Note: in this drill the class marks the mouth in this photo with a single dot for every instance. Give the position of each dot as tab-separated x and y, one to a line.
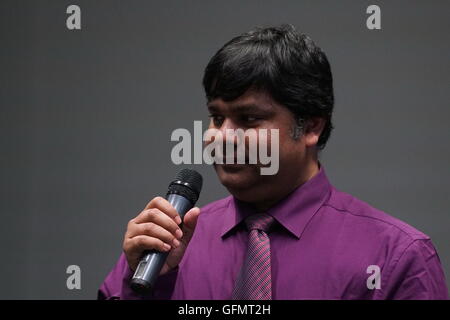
230	168
234	160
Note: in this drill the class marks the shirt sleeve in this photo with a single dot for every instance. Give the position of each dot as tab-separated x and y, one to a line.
417	274
117	284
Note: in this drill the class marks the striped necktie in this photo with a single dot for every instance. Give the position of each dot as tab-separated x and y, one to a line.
254	281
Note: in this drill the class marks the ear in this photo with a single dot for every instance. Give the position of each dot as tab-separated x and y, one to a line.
313	128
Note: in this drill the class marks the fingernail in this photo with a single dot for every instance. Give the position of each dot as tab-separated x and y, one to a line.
176	243
177	219
179	234
166	247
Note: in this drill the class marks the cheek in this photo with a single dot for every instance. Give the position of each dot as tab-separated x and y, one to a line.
285	141
290	148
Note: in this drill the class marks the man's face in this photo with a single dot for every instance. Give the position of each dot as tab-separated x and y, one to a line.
257	110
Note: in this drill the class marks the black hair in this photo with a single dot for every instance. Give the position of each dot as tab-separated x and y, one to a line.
280	61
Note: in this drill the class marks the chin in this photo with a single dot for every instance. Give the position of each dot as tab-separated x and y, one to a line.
237	178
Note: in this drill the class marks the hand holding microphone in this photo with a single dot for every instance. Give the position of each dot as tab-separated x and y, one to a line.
155	241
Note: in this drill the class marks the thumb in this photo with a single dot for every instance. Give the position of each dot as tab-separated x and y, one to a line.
190	221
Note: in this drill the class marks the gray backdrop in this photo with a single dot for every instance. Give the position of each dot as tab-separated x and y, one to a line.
86	118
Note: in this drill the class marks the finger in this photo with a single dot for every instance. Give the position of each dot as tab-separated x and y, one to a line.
141	218
153	230
190	219
150	229
165	206
142	243
160	218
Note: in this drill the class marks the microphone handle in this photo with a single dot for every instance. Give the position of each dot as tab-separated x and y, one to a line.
152	261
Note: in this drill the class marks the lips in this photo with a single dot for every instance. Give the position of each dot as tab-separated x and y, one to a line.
234	160
232	167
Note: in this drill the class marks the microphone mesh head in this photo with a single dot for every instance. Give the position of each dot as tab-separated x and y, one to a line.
192	177
188	183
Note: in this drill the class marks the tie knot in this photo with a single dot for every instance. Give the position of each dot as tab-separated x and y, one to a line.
259	221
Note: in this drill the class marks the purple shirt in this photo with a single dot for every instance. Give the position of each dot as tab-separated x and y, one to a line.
325	245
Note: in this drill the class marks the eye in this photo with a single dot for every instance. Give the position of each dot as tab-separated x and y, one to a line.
216	119
250	118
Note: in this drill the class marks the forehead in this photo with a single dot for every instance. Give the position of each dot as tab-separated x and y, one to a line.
251	100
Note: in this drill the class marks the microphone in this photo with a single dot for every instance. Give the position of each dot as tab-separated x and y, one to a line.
182	194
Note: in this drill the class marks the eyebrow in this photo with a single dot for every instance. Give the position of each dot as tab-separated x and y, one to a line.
240	108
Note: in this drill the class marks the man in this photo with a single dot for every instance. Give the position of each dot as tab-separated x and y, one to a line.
291	235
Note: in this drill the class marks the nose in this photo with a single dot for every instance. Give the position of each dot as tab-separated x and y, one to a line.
227	130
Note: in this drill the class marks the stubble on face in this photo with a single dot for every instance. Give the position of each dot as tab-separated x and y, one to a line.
245	181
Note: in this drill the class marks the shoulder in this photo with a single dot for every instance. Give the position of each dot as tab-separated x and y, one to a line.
410	265
365	216
375	234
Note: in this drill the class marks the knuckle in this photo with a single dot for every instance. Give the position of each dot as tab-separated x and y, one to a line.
130	228
140	242
157	201
147	216
128	246
149	228
151	213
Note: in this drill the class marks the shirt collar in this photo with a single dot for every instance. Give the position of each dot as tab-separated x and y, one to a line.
293	212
